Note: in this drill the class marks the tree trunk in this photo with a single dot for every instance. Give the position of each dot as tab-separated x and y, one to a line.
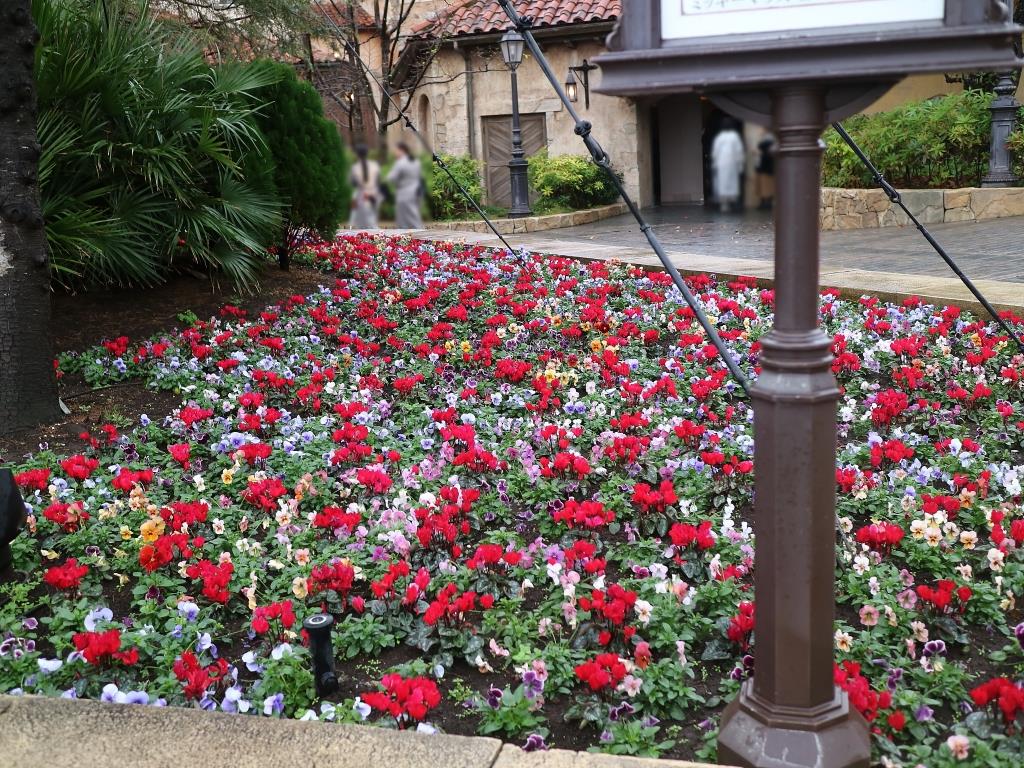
284	251
28	390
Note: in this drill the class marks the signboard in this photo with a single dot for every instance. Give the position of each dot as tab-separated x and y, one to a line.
709	18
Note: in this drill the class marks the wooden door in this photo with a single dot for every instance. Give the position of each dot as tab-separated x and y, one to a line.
498	151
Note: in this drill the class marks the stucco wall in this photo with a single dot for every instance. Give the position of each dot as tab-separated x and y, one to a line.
619	125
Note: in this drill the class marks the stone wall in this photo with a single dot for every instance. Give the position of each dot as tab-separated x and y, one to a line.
871	208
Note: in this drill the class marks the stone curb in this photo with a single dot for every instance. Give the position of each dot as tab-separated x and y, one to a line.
851	283
40	732
529	224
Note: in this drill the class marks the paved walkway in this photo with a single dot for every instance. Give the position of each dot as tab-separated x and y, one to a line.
988	250
38	732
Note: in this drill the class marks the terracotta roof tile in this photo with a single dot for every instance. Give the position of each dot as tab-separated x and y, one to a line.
477	17
337	13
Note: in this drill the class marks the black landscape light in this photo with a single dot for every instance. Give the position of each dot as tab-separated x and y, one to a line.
321	648
12	515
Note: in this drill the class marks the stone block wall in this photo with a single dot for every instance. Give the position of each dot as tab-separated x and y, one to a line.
871	208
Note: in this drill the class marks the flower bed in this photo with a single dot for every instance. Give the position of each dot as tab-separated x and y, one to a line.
522	485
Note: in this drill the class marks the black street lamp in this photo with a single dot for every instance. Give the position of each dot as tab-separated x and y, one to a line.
512	53
1004	118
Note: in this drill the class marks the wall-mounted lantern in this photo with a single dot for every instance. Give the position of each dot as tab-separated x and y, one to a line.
579	75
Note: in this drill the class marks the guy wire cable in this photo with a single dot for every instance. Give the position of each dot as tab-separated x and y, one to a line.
601	158
895	197
409	124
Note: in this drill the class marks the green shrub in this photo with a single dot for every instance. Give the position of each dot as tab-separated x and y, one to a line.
444	197
938	143
151	159
571	182
310	167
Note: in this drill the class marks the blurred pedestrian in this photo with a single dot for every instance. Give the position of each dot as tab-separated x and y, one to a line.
408	180
727	163
365	180
765	172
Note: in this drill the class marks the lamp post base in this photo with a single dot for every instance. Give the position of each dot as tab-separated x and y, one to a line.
518	169
1001	180
758	734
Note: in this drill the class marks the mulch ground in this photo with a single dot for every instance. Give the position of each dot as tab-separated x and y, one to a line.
80	321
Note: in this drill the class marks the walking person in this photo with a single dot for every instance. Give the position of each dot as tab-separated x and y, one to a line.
765	170
727	163
365	180
408	180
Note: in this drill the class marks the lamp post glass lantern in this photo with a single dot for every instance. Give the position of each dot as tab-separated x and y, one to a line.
512	52
754	59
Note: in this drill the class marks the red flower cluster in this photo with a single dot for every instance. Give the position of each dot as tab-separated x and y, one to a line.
128	478
33	479
684	534
1006	695
492	554
689	432
265	493
941	595
564	464
185	514
582	552
181	452
889	405
264	614
741	626
614	605
333	518
932	504
868	702
337	576
404	698
880	536
605	670
68	576
191	415
449	604
892	450
374	480
651	500
511	370
161	551
68	516
216	578
79	467
587	514
351	443
195	676
253	452
385	587
99	647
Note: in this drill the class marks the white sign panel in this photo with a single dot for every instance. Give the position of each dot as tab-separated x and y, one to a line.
709	18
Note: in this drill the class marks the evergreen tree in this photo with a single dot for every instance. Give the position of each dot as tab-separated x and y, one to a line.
310	165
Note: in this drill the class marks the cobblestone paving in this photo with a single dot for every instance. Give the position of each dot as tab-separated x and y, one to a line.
988	250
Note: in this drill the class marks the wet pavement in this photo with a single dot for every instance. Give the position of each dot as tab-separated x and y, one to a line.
988	250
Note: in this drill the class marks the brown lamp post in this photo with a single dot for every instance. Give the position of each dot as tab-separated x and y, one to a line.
796	67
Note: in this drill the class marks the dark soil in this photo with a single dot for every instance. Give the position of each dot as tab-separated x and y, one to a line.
80	321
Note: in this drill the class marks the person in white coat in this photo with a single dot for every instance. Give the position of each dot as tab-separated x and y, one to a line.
408	180
728	160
